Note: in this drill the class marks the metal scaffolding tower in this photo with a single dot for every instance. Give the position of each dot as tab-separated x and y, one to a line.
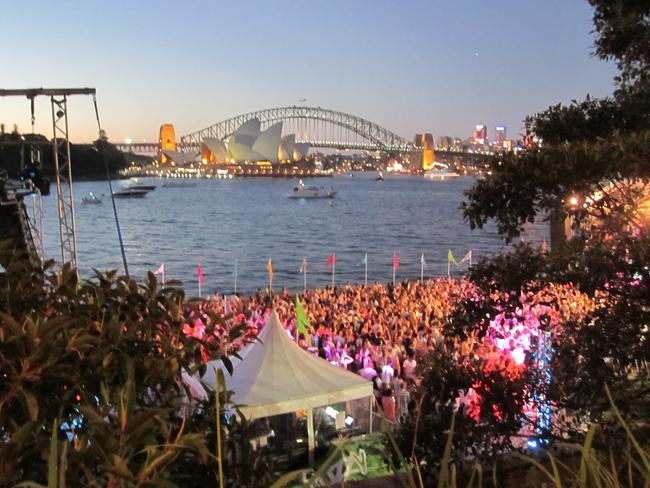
62	161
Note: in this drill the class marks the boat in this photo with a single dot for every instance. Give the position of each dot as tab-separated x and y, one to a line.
179	184
380	177
302	191
440	171
130	193
91	198
134	184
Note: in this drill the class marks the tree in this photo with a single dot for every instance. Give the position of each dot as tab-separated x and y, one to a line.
93	368
585	145
593	165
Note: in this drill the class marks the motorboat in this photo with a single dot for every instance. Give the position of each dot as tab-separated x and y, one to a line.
440	171
130	193
302	191
91	198
134	184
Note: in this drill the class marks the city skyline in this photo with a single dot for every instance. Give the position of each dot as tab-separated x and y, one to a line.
417	67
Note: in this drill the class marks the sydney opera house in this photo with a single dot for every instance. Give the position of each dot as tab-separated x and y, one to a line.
248	144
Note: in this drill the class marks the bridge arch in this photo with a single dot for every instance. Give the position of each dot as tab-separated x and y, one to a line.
316	126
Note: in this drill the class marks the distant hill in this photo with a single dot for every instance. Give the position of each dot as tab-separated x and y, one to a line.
87	161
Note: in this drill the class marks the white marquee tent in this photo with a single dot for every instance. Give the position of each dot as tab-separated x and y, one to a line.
275	376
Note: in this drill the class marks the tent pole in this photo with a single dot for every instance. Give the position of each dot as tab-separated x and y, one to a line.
311	444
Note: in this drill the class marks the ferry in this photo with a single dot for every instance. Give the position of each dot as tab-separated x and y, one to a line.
440	171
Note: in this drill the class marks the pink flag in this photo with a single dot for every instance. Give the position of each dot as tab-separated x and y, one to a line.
395	262
331	260
199	271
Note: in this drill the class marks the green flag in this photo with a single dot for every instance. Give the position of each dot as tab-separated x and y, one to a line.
451	258
302	322
365	259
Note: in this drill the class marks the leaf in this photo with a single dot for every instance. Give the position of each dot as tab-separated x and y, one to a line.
107	360
52	461
227	363
32	404
120	467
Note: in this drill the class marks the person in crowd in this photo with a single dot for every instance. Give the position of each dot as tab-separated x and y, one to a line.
388	404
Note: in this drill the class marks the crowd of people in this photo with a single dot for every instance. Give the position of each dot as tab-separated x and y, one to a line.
379	331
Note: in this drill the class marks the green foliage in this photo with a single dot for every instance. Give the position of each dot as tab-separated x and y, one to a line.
91	370
623	34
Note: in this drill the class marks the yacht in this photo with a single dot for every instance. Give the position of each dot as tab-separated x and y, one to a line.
130	193
302	191
134	184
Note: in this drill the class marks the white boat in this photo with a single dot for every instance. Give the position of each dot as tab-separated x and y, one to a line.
134	184
91	198
440	171
302	191
130	193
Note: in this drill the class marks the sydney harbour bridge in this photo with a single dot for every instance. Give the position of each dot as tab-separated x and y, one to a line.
316	126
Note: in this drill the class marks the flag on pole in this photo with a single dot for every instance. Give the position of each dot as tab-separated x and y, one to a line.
302	322
544	248
269	270
199	272
451	258
423	262
467	257
331	262
303	265
395	262
365	259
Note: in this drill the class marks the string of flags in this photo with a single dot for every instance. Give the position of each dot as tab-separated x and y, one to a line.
330	265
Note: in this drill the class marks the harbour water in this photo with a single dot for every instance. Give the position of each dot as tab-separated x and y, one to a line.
248	221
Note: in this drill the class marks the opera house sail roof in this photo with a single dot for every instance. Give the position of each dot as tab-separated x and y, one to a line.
249	143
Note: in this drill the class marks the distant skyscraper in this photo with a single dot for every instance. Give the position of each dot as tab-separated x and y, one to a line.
499	135
480	134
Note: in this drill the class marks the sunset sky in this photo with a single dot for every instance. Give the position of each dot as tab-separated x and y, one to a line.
411	66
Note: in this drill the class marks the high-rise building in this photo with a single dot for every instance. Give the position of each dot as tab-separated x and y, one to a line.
499	136
480	134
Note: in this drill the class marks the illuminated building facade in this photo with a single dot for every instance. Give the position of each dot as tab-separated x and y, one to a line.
480	134
499	136
166	141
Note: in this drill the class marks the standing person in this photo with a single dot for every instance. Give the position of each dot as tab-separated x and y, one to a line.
408	367
403	399
388	404
387	372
